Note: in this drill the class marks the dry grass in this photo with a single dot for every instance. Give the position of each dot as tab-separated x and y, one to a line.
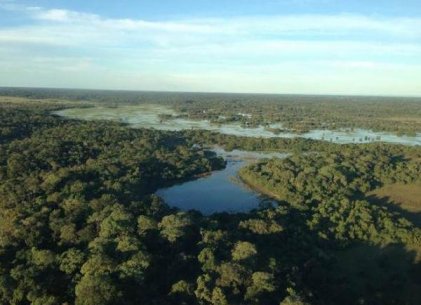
415	119
406	196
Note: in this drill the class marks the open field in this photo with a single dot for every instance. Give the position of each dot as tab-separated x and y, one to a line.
406	196
402	196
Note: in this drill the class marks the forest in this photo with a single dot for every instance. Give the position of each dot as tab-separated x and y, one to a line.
298	113
80	223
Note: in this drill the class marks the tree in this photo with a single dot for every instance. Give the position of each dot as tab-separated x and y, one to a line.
97	290
218	297
243	250
175	226
261	282
293	298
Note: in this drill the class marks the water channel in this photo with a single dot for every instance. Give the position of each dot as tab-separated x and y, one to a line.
147	116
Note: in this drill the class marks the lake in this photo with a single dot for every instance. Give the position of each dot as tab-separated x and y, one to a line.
147	116
222	190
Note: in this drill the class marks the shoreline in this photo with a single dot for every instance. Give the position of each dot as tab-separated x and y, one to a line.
258	188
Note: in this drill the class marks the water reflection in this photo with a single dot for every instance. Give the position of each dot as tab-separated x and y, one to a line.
148	116
221	191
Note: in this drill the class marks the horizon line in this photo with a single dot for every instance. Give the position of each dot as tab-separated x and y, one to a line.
210	92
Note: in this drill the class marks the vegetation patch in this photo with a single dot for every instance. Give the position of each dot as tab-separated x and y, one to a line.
79	223
406	197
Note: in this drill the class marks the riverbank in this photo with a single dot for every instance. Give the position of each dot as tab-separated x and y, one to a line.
257	187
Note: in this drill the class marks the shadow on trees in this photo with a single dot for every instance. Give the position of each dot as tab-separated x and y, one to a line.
386	201
367	274
331	271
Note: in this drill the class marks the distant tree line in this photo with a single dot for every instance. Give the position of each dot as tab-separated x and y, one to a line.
299	113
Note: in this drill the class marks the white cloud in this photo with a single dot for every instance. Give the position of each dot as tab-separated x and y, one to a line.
56	15
66	26
283	24
261	53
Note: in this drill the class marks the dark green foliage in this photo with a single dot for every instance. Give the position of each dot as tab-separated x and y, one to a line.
330	186
79	223
77	217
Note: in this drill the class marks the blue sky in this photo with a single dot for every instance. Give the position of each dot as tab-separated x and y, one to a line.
274	46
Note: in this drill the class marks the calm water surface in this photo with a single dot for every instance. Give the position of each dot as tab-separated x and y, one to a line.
221	191
215	193
147	116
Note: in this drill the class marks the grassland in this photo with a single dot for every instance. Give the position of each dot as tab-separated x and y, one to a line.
404	197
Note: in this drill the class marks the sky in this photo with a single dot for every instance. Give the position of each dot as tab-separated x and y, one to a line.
358	47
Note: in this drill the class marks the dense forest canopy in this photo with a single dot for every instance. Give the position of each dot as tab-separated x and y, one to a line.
80	224
299	113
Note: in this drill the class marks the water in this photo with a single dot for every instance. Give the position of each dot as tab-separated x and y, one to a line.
215	193
236	154
221	191
147	116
